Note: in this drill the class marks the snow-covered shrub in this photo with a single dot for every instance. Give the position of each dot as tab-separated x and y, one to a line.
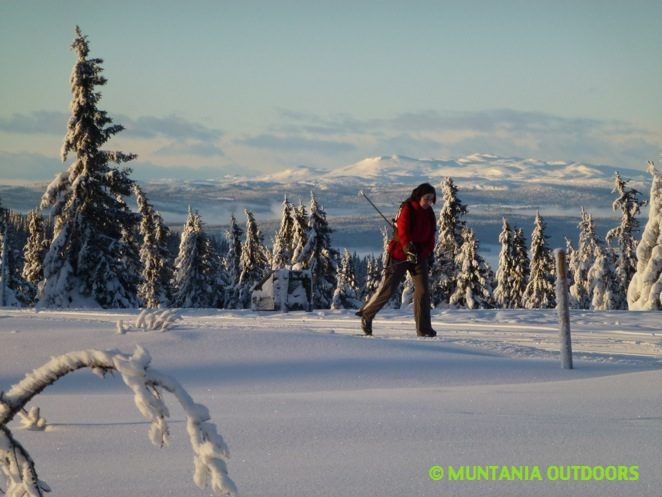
210	452
157	319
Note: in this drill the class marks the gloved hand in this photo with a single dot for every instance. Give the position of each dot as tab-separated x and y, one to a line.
411	253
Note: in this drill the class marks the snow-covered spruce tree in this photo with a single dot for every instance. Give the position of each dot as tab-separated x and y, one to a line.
154	288
444	272
35	249
504	293
570	254
474	286
299	235
283	239
583	259
602	282
346	294
645	290
231	264
320	257
92	259
521	268
373	277
7	296
622	238
17	235
360	270
210	453
253	262
195	277
540	290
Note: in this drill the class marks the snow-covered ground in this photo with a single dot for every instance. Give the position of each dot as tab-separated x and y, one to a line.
309	407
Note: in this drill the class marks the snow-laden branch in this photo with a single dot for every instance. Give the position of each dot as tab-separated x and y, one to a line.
209	449
18	468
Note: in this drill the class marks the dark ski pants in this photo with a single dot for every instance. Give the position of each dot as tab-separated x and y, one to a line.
393	274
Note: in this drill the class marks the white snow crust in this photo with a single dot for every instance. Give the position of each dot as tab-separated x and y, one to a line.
308	406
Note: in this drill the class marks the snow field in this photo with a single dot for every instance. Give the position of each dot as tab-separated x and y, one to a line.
310	407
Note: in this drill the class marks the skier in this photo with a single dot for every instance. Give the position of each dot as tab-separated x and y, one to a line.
409	250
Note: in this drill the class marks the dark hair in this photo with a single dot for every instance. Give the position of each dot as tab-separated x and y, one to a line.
424	189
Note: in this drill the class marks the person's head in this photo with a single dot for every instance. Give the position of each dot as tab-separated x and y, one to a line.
425	195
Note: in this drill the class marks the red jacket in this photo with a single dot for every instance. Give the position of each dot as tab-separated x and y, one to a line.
418	228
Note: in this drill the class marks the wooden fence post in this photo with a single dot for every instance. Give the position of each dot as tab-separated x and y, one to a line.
562	307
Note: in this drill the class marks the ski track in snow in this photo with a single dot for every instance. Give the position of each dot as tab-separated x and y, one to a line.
624	337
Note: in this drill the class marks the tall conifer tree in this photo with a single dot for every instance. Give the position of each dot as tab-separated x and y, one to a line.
92	259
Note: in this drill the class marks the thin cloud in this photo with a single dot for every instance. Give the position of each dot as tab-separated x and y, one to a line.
197	148
17	167
297	143
38	122
172	127
30	167
502	131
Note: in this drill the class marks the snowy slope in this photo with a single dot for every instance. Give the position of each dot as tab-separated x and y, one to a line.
308	407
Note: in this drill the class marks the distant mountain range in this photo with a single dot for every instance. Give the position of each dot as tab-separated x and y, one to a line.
487	170
490	185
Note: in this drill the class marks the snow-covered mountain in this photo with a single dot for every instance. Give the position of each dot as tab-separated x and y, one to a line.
482	169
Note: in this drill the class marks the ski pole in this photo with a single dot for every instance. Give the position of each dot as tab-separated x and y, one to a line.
390	223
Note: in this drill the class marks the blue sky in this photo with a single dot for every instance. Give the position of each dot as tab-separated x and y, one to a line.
208	88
